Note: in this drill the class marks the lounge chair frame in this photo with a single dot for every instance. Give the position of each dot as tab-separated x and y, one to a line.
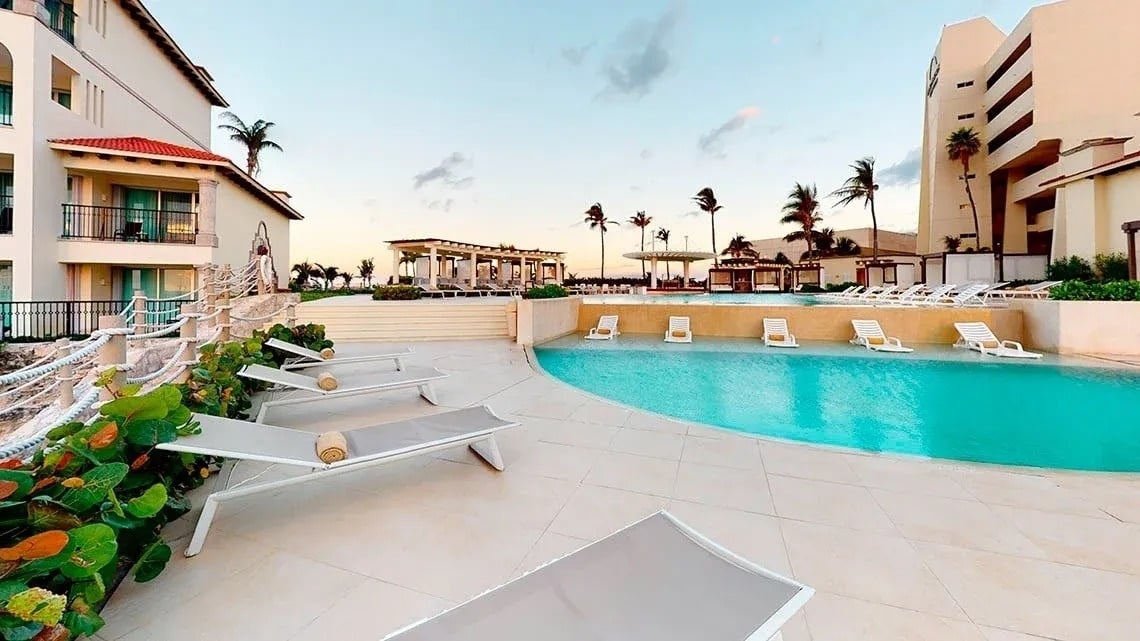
610	322
679	324
865	329
304	358
778	326
973	336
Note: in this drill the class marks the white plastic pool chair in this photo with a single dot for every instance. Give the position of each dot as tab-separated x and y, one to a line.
346	385
366	447
978	337
657	579
304	357
776	333
606	329
869	334
678	331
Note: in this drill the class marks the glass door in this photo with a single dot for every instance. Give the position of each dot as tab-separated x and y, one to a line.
144	279
141	218
5	202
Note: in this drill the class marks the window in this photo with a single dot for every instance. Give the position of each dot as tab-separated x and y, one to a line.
966	116
968	235
61	97
968	83
5	203
5	103
963	206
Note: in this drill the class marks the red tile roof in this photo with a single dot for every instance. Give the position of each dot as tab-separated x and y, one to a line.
137	145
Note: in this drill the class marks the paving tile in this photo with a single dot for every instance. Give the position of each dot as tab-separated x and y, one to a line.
727	451
370	611
905	475
864	565
964	523
756	537
1106	544
593	512
633	473
574	433
1038	597
828	503
645	443
723	486
600	414
551	546
655	423
554	460
838	618
807	462
996	487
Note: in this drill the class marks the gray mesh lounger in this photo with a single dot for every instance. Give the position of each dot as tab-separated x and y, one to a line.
354	384
303	357
656	580
237	440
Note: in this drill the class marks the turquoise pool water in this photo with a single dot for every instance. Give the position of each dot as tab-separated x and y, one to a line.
945	405
705	299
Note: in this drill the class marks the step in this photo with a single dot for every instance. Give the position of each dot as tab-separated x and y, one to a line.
408	321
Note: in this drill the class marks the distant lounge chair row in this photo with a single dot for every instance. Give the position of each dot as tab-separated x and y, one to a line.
950	295
868	333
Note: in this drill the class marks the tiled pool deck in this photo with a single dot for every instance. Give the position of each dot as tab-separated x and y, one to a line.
897	548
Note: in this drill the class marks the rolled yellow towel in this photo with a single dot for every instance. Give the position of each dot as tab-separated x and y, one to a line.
777	338
327	353
991	344
331	447
679	333
876	340
605	331
326	381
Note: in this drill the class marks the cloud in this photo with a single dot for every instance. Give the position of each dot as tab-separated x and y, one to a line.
692	214
820	139
641	56
445	173
634	188
575	55
646	153
712	143
904	172
440	205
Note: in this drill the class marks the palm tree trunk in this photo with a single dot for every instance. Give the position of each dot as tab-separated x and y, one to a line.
712	220
874	233
603	272
643	249
973	207
251	162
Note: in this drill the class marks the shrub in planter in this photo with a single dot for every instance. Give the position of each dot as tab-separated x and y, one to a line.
86	512
810	289
396	292
215	388
1111	266
833	287
1071	268
547	291
310	335
1117	290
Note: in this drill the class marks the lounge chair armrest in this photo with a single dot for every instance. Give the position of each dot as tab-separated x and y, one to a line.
896	341
1013	345
791	338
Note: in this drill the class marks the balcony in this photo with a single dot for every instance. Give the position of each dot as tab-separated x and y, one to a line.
61	19
1010	116
1030	186
128	224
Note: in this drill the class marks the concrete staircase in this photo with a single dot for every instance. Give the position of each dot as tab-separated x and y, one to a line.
360	319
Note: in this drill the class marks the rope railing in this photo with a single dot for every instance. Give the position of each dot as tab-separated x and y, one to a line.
174	360
23	448
74	357
163	331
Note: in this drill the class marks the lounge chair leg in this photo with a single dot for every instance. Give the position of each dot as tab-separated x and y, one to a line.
428	392
488	450
227	469
399	364
203	527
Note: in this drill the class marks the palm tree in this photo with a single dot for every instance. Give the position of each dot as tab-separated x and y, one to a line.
347	278
304	271
739	247
802	209
782	259
845	246
961	145
366	269
329	273
663	236
597	220
706	200
409	259
952	243
824	241
861	186
255	139
641	220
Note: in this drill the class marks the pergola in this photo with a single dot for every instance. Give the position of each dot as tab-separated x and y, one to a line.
655	256
1130	228
436	249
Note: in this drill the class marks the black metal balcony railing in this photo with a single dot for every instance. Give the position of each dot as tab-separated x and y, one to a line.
47	320
94	222
61	19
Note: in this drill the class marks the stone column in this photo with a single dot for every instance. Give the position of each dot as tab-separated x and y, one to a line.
686	264
1131	241
653	272
559	271
433	269
474	270
112	354
500	276
207	213
396	255
522	270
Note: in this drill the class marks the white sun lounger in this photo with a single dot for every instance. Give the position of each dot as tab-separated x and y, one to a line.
1036	290
347	385
870	334
778	327
607	328
237	440
678	325
305	358
904	296
657	579
978	337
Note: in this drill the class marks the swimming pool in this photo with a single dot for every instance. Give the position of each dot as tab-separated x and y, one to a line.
944	404
704	299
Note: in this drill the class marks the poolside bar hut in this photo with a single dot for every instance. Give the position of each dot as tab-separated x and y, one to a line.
809	273
746	275
439	252
655	256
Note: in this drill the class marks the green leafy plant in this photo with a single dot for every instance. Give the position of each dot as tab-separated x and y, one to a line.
87	510
1111	266
547	291
1071	268
214	387
838	287
396	292
1116	290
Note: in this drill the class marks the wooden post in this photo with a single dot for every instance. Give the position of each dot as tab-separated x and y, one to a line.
1131	239
66	382
291	315
224	315
138	303
113	354
262	283
210	288
189	334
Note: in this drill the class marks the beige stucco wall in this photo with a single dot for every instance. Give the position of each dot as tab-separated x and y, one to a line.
239	213
828	323
1082	327
541	320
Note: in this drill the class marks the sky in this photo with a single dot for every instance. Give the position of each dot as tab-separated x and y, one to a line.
502	121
